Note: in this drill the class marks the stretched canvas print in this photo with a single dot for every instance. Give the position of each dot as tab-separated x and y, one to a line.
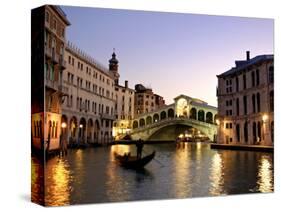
134	105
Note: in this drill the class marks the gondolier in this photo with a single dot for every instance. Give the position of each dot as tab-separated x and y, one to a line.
139	145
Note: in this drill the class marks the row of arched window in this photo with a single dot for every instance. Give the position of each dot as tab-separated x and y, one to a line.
256	103
53	129
155	118
255	79
80	105
200	116
256	131
37	132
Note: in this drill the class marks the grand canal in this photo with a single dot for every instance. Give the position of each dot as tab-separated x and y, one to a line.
191	170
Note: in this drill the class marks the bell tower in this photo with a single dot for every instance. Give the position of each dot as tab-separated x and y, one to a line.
113	67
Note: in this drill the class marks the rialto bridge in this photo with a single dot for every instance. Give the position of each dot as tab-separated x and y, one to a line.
184	115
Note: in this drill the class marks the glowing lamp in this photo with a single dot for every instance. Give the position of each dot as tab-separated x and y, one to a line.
264	118
63	125
81	125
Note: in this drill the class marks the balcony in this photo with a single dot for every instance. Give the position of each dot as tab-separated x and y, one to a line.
63	90
52	84
48	52
62	62
107	116
51	54
55	57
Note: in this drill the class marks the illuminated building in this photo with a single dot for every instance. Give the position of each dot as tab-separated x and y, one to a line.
88	108
48	46
246	102
146	101
124	102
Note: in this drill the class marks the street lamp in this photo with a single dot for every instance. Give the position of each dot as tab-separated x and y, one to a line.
63	125
81	125
264	118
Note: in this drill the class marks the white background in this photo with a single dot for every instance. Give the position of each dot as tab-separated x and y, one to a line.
15	104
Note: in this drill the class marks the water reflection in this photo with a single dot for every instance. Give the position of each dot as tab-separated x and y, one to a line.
182	178
265	174
58	186
189	170
37	181
216	175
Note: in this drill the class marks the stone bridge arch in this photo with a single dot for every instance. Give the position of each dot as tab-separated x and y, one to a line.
210	130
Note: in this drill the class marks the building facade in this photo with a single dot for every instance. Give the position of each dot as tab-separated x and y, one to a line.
246	102
48	38
124	102
88	108
124	107
146	101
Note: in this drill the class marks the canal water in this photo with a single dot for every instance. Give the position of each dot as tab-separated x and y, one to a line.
191	170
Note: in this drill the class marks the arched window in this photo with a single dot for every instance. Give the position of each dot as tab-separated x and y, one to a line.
40	129
246	132
245	104
244	81
271	74
254	103
56	130
50	130
257	77
171	113
237	84
254	132
209	117
155	118
258	103
238	132
271	100
53	129
142	123
193	113
259	131
237	106
135	124
201	115
163	115
253	79
148	120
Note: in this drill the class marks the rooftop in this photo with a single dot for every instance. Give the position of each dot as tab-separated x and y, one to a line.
84	56
61	13
243	64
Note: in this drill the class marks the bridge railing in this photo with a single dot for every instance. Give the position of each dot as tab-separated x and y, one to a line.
163	121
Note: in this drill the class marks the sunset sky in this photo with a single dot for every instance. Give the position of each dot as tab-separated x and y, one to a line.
171	52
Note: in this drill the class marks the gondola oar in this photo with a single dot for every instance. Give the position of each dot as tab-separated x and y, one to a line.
162	165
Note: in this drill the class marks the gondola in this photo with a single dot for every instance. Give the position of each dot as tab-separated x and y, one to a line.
131	162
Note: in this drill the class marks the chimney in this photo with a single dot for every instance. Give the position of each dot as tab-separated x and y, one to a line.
126	83
248	55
